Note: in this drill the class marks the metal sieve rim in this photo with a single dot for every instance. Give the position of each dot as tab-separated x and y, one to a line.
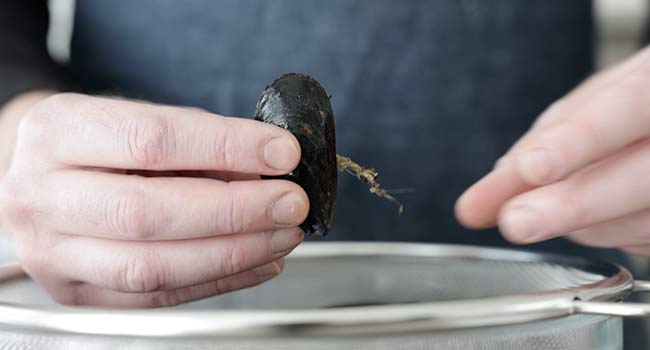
616	285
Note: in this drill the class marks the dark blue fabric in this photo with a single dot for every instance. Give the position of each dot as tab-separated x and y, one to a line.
428	92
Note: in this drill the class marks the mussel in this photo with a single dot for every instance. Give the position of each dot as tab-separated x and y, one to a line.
300	104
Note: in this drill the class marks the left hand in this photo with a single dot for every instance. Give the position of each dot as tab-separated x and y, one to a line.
582	170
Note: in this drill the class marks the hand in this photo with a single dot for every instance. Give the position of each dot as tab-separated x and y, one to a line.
582	171
121	203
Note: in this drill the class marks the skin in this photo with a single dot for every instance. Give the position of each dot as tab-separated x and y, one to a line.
131	204
582	171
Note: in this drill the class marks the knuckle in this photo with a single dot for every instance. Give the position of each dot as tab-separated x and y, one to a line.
143	273
55	102
129	215
228	148
231	217
147	140
232	260
43	112
15	202
36	126
35	121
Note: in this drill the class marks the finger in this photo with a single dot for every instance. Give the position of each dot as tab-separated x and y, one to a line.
479	205
145	267
86	294
630	230
109	133
472	211
584	93
611	189
615	117
138	208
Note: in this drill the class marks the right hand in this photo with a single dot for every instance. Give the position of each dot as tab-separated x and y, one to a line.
122	203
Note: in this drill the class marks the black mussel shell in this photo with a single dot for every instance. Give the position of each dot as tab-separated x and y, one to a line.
300	104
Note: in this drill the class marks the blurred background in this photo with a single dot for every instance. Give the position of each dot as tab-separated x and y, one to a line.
621	27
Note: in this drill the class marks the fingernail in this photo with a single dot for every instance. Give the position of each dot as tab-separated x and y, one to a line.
288	209
522	225
281	153
267	271
285	240
538	166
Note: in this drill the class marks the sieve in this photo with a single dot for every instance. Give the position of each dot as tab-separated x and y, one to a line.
360	292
